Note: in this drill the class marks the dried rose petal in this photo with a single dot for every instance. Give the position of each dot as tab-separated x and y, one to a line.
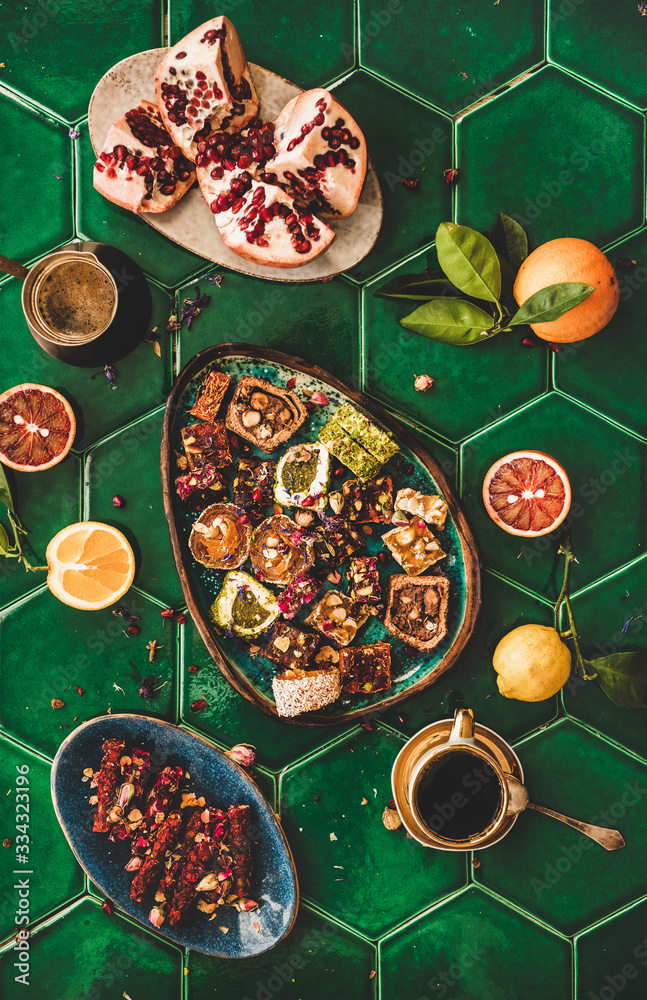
156	917
79	689
107	907
320	398
193	668
180	618
198	705
527	342
423	382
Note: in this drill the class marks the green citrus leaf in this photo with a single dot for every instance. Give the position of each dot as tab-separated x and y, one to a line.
510	240
5	492
5	545
623	677
550	303
469	261
450	320
415	287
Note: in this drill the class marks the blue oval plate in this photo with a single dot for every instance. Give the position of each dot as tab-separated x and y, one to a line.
222	782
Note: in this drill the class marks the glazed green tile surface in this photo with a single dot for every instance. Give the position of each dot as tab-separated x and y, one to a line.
308	44
40	189
473	681
56	50
472	385
611	618
613	957
475	48
573	168
70	649
557	873
89	952
551	917
606	371
463	950
607	516
336	838
603	43
24	779
314	321
318	956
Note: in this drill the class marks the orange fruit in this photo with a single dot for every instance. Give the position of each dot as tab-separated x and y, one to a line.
570	259
91	565
37	427
527	493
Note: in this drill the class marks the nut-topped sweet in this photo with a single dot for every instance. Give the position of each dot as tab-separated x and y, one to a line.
337	617
417	610
432	509
206	444
279	550
221	537
414	546
264	414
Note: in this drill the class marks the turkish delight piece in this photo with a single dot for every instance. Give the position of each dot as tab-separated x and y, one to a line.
365	431
221	537
264	414
432	509
417	610
335	540
253	484
365	669
302	476
290	647
338	617
297	691
414	546
364	580
301	591
280	551
206	443
349	452
371	500
244	606
210	396
200	489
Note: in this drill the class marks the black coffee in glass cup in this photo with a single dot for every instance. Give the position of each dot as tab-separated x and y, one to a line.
86	304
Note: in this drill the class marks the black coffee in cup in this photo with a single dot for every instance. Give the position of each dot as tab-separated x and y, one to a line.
75	299
458	795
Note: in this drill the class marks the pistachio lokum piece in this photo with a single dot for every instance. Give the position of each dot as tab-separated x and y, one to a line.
362	429
349	452
302	476
244	606
414	546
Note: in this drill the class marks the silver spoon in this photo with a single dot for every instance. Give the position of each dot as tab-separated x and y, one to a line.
611	840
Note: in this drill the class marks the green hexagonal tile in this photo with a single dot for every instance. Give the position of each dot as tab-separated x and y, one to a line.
562	158
603	43
475	48
70	649
99	219
555	872
25	778
318	960
337	841
41	189
472	681
46	502
404	140
611	959
86	953
61	48
475	948
605	371
229	718
601	613
473	385
143	377
309	45
607	511
315	321
127	464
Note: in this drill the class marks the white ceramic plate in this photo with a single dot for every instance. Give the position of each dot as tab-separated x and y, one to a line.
190	223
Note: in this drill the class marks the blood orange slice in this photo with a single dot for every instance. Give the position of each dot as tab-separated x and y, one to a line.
91	565
527	493
37	427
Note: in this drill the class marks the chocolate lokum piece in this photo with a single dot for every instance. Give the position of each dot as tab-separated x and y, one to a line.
335	540
290	647
221	537
301	591
280	550
417	610
371	500
338	617
254	483
264	414
210	396
364	580
297	691
414	546
365	669
206	444
200	489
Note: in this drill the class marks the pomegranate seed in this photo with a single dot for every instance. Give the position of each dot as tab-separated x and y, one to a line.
382	556
527	342
134	630
367	726
180	618
291	382
243	519
80	690
198	705
193	668
354	143
118	501
307	501
257	494
100	167
168	613
107	907
554	348
200	75
411	182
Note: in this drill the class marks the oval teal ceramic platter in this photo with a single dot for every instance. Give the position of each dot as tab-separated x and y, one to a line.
250	673
222	782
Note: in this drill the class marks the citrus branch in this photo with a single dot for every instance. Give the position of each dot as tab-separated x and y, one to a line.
564	598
